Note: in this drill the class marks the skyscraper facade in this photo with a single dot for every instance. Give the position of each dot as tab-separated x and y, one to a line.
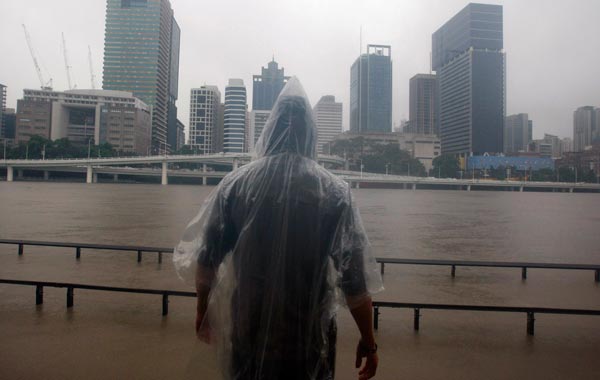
204	118
328	114
258	119
267	86
423	104
518	130
371	91
585	127
141	55
234	119
469	60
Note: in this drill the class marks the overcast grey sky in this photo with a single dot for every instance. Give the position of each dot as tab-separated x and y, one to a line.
552	47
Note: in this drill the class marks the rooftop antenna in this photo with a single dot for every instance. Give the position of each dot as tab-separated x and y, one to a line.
44	85
430	63
67	67
92	76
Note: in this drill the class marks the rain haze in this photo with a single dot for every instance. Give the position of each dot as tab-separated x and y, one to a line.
552	66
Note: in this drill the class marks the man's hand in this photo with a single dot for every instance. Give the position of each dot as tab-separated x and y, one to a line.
203	330
370	367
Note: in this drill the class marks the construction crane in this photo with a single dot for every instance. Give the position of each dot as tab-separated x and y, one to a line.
92	76
45	85
67	67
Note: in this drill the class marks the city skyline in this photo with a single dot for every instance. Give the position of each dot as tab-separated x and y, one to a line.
549	101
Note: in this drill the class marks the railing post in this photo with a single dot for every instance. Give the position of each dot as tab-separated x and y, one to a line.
530	323
376	317
70	296
20	249
417	319
382	268
453	270
78	253
597	277
165	304
524	273
39	294
160	257
139	258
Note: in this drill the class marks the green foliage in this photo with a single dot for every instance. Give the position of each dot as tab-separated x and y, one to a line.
544	175
39	147
445	166
376	157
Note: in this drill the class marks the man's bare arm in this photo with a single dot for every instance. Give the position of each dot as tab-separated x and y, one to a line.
204	279
362	312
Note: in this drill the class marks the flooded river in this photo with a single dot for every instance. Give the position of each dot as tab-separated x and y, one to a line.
113	335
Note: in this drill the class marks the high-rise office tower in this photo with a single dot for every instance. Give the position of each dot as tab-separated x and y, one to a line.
234	119
423	104
205	103
141	55
328	114
258	120
518	131
267	86
585	127
371	90
469	60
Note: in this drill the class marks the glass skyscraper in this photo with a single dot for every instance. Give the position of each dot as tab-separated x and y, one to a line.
141	55
371	90
468	56
234	119
423	104
267	86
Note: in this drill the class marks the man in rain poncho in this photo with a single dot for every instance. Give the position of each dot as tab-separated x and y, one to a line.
272	245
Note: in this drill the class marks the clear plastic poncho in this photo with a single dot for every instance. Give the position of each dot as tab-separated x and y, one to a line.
286	243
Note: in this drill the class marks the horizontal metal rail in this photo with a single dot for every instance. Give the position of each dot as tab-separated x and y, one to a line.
417	307
79	246
39	293
529	311
453	264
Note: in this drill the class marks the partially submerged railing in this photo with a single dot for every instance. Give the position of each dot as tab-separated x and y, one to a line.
453	264
39	291
80	246
529	311
417	307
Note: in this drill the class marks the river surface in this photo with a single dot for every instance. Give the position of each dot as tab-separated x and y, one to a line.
113	335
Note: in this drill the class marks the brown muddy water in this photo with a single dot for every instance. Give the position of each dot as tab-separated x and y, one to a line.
124	336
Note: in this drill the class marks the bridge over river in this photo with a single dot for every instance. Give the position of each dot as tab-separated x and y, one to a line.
142	166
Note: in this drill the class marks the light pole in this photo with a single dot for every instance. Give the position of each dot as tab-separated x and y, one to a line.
89	147
361	168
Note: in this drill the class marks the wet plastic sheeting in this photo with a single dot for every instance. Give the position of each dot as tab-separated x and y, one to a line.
286	242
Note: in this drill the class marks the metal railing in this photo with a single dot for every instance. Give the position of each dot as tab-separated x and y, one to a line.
529	311
377	305
39	291
80	246
453	264
417	307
